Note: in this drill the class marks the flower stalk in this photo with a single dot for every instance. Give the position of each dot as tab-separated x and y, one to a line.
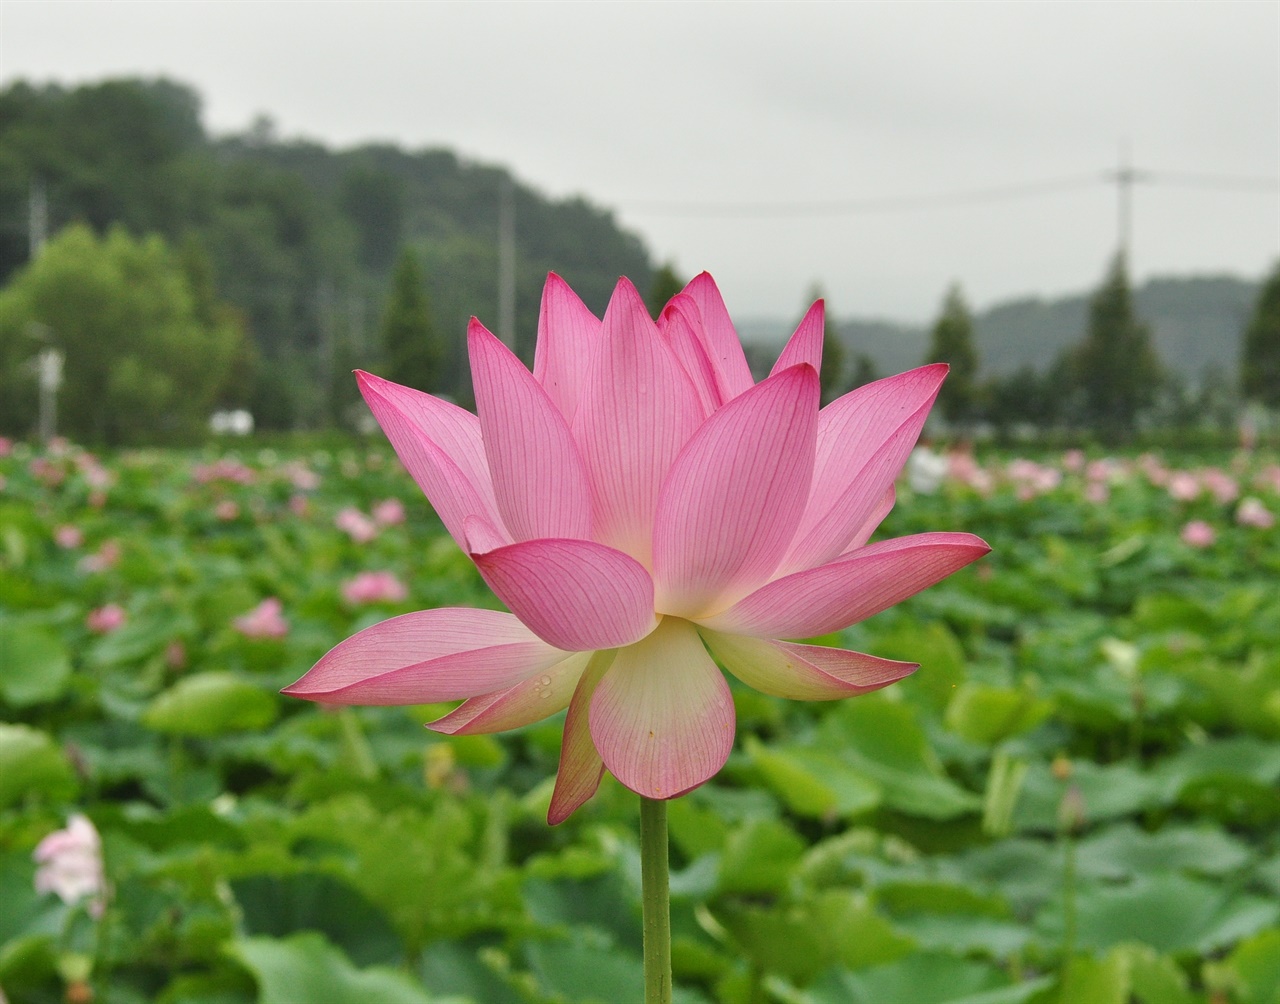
656	900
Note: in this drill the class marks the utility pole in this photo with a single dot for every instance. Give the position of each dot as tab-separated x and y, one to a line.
1124	177
507	262
37	218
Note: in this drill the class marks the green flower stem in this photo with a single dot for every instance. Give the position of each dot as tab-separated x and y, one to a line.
656	897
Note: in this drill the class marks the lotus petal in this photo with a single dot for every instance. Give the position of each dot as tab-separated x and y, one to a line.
850	589
430	655
724	350
805	344
534	698
662	716
539	480
803	672
568	334
580	765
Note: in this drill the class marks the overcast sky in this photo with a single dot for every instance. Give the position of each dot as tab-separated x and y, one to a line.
749	139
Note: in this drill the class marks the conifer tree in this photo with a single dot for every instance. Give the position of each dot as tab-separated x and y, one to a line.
1116	368
952	343
666	284
1260	366
414	352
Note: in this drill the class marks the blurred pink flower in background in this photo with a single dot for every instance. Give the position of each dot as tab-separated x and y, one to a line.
107	556
1097	492
374	587
227	510
303	477
1222	486
356	525
1199	534
266	620
225	469
70	865
389	512
639	503
175	655
68	537
300	505
1073	460
1183	486
1252	512
106	619
6	446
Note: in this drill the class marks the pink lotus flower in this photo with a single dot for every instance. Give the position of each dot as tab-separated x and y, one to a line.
70	865
389	512
68	537
356	525
641	506
374	587
266	620
106	557
1198	534
106	619
1252	512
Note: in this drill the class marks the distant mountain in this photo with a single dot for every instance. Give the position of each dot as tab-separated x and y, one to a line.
1197	323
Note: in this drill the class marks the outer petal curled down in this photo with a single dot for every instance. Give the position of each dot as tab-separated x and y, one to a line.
430	655
532	699
803	672
833	596
574	594
580	765
662	717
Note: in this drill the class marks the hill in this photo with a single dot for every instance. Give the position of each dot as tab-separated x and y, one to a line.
1197	323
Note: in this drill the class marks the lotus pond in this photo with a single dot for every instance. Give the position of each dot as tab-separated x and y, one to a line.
1075	800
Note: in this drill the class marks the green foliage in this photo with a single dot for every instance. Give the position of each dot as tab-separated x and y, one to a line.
903	846
952	343
666	283
1260	364
1115	367
414	352
145	356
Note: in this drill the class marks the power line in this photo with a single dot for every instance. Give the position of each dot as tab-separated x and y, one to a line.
1124	176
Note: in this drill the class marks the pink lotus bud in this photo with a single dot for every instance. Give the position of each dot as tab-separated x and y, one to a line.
266	620
1198	534
106	619
1253	513
374	587
389	513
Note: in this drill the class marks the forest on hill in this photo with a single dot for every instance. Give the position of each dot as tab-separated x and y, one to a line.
298	240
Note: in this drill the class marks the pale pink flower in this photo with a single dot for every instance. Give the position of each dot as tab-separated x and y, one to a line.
1199	534
6	446
1183	486
389	512
1097	492
227	510
1222	486
266	620
356	525
1073	460
300	505
303	477
68	537
70	865
175	655
1252	512
374	587
107	556
226	469
106	619
640	506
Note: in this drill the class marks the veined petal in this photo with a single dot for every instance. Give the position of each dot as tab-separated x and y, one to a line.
724	350
803	672
637	409
539	480
863	441
882	509
680	325
805	344
729	506
662	716
430	655
441	447
574	594
567	337
580	765
843	592
534	698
